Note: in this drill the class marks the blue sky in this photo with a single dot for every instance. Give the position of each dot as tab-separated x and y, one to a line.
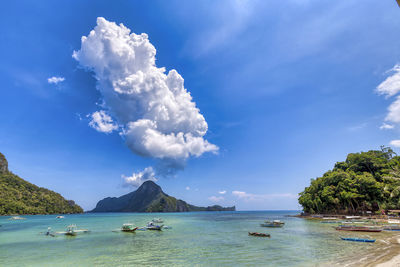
287	89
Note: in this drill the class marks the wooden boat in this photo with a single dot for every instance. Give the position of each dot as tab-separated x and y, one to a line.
354	239
259	234
275	223
358	228
128	227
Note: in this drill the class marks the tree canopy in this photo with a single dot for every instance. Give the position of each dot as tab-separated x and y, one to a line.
365	181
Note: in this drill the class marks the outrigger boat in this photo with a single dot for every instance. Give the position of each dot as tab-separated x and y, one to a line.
72	230
391	228
152	226
358	228
157	220
275	223
354	239
60	217
17	218
259	234
128	227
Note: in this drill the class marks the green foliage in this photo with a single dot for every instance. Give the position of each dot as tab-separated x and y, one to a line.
18	196
365	181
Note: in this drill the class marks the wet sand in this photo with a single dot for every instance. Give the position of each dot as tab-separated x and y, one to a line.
386	253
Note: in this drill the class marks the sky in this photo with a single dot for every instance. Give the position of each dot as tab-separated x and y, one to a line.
220	102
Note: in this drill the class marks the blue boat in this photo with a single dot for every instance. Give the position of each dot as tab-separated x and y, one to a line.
354	239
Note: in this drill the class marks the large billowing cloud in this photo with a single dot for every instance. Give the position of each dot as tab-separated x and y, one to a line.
154	111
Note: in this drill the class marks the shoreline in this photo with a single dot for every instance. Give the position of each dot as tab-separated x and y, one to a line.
385	253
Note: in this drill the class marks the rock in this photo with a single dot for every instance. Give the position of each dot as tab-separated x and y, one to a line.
3	164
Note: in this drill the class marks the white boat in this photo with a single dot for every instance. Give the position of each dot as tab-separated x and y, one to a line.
152	226
73	231
17	218
60	217
157	220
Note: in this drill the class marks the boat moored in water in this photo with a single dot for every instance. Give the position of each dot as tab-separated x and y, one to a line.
72	230
128	227
259	234
274	223
152	226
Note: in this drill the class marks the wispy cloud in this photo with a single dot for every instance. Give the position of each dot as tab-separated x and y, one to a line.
395	143
386	126
222	192
187	188
216	199
55	80
261	197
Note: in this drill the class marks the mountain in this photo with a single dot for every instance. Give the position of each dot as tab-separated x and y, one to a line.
149	197
18	196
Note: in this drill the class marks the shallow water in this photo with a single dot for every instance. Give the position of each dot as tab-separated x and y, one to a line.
196	238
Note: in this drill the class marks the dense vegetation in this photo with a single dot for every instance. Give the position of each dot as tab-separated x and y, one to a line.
366	181
18	196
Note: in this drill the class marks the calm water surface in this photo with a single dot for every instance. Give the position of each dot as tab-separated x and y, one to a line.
195	239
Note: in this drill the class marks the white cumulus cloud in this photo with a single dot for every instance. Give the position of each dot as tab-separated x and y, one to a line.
187	188
102	122
222	192
156	113
395	143
55	80
216	199
139	178
391	85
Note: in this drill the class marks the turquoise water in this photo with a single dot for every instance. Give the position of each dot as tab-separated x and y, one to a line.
195	239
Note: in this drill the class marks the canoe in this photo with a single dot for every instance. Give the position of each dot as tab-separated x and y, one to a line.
259	234
358	229
354	239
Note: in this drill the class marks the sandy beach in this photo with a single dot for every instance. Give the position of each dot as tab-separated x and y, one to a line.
385	254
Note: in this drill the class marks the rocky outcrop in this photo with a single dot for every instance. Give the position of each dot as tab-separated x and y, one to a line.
3	164
149	197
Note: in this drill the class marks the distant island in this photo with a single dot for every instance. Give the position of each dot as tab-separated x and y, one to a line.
366	181
149	197
18	196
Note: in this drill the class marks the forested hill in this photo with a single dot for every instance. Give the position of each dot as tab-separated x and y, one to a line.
18	196
366	181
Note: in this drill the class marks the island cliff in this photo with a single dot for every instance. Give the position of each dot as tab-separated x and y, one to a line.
18	196
149	197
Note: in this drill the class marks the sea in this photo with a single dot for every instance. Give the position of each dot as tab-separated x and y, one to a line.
192	239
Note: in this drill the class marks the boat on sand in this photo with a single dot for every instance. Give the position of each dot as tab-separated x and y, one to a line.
355	239
358	228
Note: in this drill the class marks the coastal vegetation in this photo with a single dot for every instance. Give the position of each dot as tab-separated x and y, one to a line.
18	196
365	181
